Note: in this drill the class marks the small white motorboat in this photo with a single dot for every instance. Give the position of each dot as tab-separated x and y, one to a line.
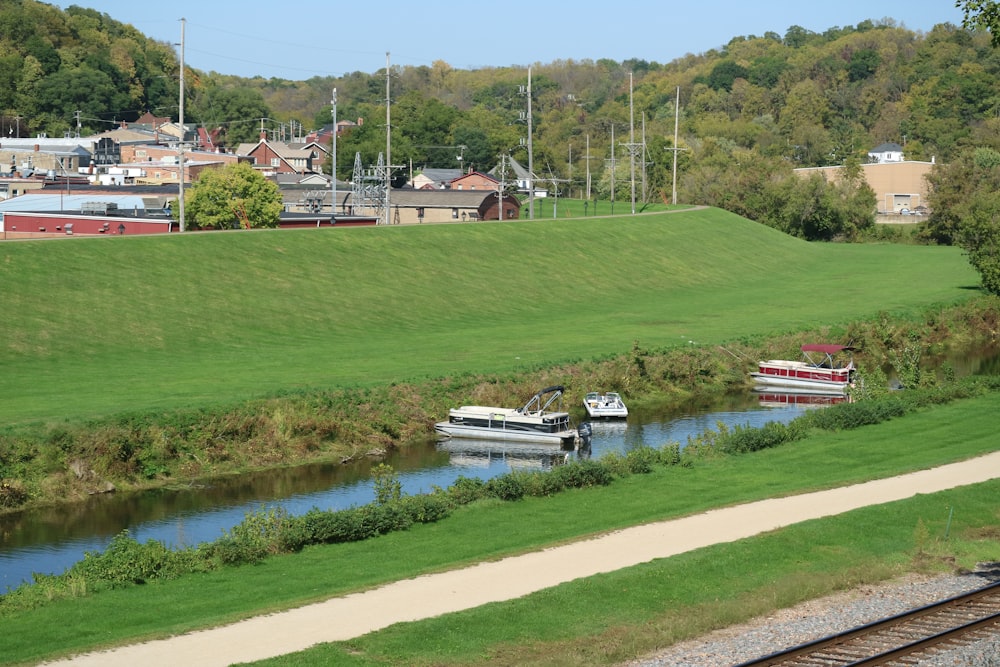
608	404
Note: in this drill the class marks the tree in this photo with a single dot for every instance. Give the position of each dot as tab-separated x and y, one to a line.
237	110
983	14
233	195
725	73
953	188
979	235
965	200
84	89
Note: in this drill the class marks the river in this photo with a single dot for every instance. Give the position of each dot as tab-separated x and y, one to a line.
50	540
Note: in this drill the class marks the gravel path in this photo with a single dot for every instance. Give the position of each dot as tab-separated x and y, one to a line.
829	615
436	594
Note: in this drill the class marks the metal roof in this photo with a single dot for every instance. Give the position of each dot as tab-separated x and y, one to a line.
55	202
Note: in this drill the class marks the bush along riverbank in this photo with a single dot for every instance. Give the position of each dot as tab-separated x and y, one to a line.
269	532
56	463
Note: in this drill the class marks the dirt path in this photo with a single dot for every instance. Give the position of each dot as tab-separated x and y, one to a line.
433	595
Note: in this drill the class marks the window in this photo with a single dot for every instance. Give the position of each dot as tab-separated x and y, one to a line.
454	214
276	162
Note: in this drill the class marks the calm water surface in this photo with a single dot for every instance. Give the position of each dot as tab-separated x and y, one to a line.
50	540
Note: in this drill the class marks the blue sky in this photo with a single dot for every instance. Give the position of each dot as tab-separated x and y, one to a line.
307	38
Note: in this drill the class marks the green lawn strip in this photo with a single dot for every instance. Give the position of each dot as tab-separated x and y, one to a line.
932	437
93	328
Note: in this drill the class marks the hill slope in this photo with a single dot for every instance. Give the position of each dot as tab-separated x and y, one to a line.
99	326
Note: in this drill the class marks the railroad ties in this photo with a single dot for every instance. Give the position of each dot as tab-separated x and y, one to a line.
901	639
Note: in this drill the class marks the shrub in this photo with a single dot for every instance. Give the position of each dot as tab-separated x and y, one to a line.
12	493
540	484
505	487
427	508
348	525
386	518
670	454
853	415
640	460
252	540
126	561
294	535
387	485
580	474
747	439
465	490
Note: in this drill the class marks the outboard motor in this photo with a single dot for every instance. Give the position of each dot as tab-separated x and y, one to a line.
583	432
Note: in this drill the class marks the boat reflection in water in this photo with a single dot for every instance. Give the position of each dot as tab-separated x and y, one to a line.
476	453
768	398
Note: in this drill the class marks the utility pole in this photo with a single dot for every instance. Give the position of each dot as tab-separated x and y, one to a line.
634	149
388	142
333	164
612	169
587	158
644	162
526	116
531	158
570	169
501	186
631	139
677	114
180	143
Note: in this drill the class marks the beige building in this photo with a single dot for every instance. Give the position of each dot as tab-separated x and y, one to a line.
900	187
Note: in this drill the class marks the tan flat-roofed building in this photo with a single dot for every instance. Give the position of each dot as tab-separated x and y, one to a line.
900	187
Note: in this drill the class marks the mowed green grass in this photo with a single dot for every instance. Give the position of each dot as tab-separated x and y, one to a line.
91	327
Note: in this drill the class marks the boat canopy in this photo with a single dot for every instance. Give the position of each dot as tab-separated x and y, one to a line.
826	349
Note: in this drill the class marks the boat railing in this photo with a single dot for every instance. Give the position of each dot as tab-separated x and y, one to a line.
535	405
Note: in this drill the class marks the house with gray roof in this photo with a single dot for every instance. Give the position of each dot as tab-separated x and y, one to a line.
887	152
435	179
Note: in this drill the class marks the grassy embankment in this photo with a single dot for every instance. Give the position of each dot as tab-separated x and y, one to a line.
602	619
95	327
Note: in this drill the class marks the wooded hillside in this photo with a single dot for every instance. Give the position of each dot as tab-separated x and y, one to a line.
799	98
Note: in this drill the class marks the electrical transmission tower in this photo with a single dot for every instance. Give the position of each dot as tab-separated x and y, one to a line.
369	189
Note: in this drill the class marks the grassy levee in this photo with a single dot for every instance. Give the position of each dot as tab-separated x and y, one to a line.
603	619
93	327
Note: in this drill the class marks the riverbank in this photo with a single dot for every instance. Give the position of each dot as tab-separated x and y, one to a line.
185	377
135	452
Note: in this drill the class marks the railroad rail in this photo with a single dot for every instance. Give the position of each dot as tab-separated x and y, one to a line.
900	639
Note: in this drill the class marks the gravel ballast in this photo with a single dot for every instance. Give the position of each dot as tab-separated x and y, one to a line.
827	616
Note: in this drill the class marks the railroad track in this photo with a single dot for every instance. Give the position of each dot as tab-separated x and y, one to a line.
900	639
